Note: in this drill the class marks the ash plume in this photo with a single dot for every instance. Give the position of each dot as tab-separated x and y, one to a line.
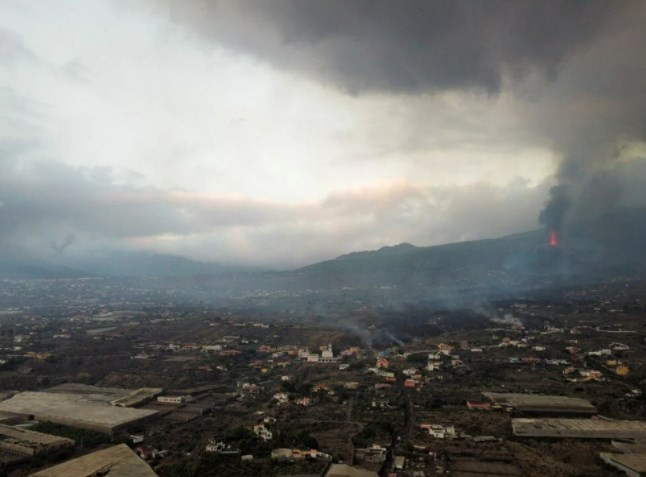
556	207
60	247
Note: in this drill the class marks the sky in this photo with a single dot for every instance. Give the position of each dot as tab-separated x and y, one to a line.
277	133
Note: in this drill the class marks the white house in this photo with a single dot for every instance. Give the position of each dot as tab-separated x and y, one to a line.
328	353
439	432
212	347
262	432
619	347
433	366
601	352
282	398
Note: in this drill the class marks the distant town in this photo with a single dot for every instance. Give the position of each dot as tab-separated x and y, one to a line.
95	375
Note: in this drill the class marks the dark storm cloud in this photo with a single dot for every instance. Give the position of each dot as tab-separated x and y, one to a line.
403	46
577	65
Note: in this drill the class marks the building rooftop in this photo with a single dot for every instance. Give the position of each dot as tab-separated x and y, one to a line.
117	461
542	403
114	396
32	436
26	442
93	393
73	410
344	470
483	468
633	462
579	428
136	396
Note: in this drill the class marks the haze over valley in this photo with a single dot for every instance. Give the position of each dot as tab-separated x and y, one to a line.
323	238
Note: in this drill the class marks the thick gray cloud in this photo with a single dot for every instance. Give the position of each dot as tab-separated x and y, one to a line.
577	65
481	80
589	53
51	195
404	46
49	207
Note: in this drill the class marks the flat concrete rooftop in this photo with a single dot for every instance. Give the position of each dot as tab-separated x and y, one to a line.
87	389
483	468
579	428
633	462
115	396
344	470
34	437
540	402
117	461
73	410
136	396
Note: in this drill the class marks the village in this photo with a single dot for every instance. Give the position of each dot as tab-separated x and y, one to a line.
521	387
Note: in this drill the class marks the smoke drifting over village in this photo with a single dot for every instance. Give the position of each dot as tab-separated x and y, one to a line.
322	238
284	132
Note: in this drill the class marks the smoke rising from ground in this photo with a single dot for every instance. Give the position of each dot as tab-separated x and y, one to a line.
59	247
555	209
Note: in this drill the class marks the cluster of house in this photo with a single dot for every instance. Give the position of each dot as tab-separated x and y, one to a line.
507	342
413	378
381	370
283	398
374	454
326	356
249	390
177	347
219	447
262	432
578	375
610	350
291	455
614	364
149	453
434	362
439	431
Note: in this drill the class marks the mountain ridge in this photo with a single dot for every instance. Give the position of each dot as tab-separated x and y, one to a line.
602	246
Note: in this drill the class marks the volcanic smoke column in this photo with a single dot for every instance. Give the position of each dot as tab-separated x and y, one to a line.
554	211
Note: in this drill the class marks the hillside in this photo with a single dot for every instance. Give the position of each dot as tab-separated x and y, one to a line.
597	250
138	264
605	247
15	264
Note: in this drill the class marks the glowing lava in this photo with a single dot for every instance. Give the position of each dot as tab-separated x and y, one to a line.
554	240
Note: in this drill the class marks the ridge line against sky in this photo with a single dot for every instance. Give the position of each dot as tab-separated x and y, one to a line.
279	133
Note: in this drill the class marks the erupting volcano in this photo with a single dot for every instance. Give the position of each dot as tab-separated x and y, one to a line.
554	211
553	239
